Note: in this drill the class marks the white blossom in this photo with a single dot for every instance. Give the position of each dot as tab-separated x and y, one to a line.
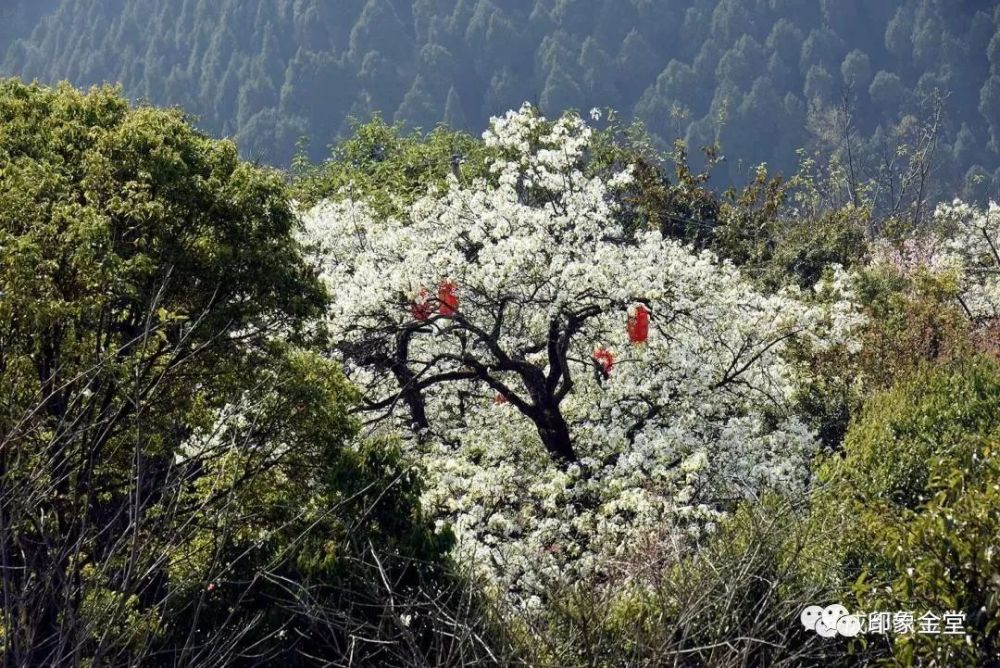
972	249
544	276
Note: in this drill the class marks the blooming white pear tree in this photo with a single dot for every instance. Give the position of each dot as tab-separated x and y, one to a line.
575	394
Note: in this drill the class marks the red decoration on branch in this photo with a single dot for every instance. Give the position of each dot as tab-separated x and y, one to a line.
605	358
421	307
638	323
448	298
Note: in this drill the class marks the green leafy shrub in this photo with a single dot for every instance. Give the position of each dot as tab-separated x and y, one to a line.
180	482
917	492
389	166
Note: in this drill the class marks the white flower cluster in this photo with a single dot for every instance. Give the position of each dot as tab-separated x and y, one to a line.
663	428
973	250
912	256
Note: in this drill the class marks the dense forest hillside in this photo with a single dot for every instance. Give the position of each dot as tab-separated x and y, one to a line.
763	77
18	17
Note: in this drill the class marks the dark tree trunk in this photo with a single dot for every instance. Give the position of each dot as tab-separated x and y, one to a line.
407	380
412	397
418	412
554	432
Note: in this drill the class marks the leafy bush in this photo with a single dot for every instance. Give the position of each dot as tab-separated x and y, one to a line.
917	492
388	166
176	480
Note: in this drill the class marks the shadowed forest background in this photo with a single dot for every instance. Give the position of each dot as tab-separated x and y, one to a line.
763	78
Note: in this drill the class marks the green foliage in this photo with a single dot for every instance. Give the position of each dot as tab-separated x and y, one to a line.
18	17
132	249
303	552
912	322
130	238
777	246
734	601
175	481
683	207
916	495
390	167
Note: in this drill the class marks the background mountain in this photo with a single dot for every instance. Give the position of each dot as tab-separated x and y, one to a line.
764	77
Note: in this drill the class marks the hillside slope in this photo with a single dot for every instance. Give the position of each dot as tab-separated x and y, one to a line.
762	76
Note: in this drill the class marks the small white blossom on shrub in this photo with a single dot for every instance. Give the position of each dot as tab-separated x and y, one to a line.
973	249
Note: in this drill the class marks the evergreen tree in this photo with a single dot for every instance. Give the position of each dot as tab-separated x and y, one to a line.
454	114
989	107
856	69
560	92
379	28
637	63
418	108
886	89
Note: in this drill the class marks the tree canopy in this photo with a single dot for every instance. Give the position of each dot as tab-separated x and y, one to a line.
173	451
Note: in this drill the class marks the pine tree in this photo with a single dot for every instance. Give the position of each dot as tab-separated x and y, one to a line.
637	63
454	114
418	109
856	69
379	28
560	92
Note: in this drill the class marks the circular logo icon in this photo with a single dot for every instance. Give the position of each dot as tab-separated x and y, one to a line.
849	626
832	614
809	616
825	631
